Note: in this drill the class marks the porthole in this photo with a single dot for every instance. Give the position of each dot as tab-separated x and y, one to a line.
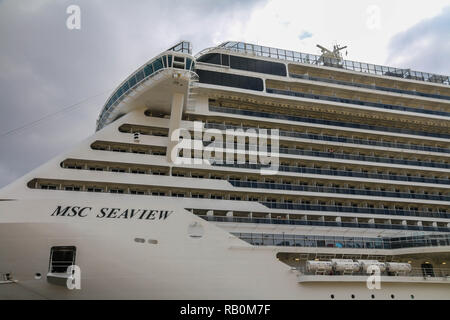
392	296
37	276
139	240
372	296
353	296
332	296
412	296
152	241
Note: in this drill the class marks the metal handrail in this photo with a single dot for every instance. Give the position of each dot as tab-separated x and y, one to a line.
299	222
323	189
368	86
415	272
320	97
325	137
281	116
133	88
313	59
315	241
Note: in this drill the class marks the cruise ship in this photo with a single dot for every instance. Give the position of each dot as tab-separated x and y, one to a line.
243	172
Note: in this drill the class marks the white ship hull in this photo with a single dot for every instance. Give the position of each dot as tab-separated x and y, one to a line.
146	228
114	266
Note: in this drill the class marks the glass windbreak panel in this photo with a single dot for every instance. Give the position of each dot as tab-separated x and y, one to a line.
139	76
157	64
184	46
164	60
169	61
188	64
148	70
124	87
132	81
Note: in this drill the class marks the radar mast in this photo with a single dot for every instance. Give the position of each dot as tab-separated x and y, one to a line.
332	58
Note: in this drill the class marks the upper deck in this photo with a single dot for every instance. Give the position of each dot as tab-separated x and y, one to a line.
178	59
313	59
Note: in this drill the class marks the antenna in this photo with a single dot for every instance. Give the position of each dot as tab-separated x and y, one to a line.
332	58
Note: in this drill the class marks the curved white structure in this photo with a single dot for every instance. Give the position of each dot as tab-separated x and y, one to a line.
239	174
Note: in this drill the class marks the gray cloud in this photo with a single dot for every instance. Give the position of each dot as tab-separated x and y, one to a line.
425	46
45	67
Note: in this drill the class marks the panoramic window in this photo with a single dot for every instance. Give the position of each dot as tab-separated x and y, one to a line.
255	65
247	64
230	80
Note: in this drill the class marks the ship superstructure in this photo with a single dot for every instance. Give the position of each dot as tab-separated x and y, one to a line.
244	172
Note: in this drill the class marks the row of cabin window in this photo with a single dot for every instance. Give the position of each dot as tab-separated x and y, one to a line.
117	149
213	196
302	183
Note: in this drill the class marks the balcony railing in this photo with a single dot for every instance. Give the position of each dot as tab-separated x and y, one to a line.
313	59
311	136
337	155
325	122
357	102
317	241
343	173
380	211
306	188
368	86
298	222
435	273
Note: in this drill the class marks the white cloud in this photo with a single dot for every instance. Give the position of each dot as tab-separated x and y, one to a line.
280	22
425	46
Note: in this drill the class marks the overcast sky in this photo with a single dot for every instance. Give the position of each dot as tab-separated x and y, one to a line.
46	68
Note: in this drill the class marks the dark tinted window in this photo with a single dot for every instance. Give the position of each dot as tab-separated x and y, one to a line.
225	60
61	258
230	80
188	63
247	64
210	58
157	64
148	70
254	65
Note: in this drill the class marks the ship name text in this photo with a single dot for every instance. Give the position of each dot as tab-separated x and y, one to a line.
111	213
